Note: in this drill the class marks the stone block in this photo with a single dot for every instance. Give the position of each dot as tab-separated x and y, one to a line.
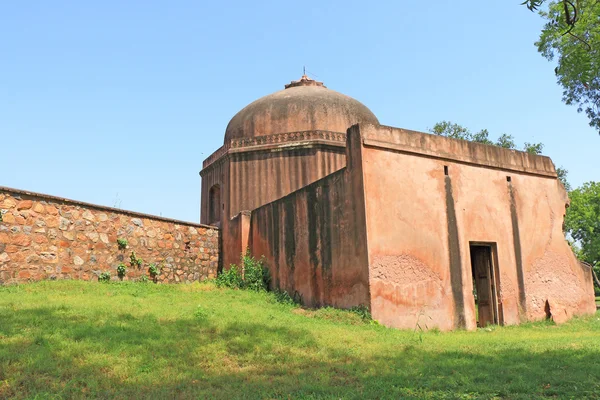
9	203
8	218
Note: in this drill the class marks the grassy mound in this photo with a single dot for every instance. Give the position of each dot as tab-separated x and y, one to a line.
90	340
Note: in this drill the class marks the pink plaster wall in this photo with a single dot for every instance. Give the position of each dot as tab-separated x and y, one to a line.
408	229
314	240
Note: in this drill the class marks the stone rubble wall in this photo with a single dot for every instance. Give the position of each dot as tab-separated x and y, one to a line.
45	237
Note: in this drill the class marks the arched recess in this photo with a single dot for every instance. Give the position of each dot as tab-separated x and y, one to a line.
214	205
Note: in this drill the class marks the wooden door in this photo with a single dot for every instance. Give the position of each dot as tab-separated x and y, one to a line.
481	262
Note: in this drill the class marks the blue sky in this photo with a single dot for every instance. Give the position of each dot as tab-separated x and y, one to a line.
118	103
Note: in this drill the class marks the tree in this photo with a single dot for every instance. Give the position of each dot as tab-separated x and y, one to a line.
582	223
506	141
451	130
571	35
533	148
456	131
562	177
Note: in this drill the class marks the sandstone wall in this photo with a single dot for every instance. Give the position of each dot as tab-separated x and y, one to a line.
45	237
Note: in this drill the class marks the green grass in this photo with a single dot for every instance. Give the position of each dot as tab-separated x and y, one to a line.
72	339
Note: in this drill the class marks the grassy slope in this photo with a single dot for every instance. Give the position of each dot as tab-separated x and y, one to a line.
78	339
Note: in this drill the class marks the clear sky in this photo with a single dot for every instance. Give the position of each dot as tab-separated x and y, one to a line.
118	102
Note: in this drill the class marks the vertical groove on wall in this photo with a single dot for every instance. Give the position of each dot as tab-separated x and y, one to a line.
456	281
263	184
305	172
326	244
289	233
313	242
274	240
518	251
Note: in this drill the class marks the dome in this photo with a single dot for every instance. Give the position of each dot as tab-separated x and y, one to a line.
304	105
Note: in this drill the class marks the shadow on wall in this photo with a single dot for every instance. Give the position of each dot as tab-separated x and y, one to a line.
196	357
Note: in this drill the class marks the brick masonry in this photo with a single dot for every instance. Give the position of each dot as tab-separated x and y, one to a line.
46	237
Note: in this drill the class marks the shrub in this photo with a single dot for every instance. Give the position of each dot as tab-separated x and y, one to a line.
143	279
284	297
122	243
154	270
256	275
121	270
363	312
231	278
134	261
104	277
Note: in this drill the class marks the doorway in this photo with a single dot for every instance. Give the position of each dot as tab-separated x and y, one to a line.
214	205
485	287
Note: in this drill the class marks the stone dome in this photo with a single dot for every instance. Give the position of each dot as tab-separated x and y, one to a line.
304	105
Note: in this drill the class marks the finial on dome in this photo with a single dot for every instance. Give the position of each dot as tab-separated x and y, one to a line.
304	81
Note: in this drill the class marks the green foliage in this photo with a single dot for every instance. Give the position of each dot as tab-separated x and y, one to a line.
254	276
533	5
143	279
582	221
154	270
451	130
134	261
362	311
571	36
122	243
231	278
201	313
283	297
506	141
1	215
483	136
456	131
121	270
562	177
104	277
533	148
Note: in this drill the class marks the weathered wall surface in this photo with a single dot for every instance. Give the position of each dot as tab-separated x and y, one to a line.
422	221
45	237
314	240
262	177
255	171
213	175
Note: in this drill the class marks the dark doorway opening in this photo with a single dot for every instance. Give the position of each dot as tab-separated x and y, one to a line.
214	205
484	268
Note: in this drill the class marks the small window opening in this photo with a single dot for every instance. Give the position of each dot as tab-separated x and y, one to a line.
445	170
508	179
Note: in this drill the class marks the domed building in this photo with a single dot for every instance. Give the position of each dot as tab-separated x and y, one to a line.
418	228
276	145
